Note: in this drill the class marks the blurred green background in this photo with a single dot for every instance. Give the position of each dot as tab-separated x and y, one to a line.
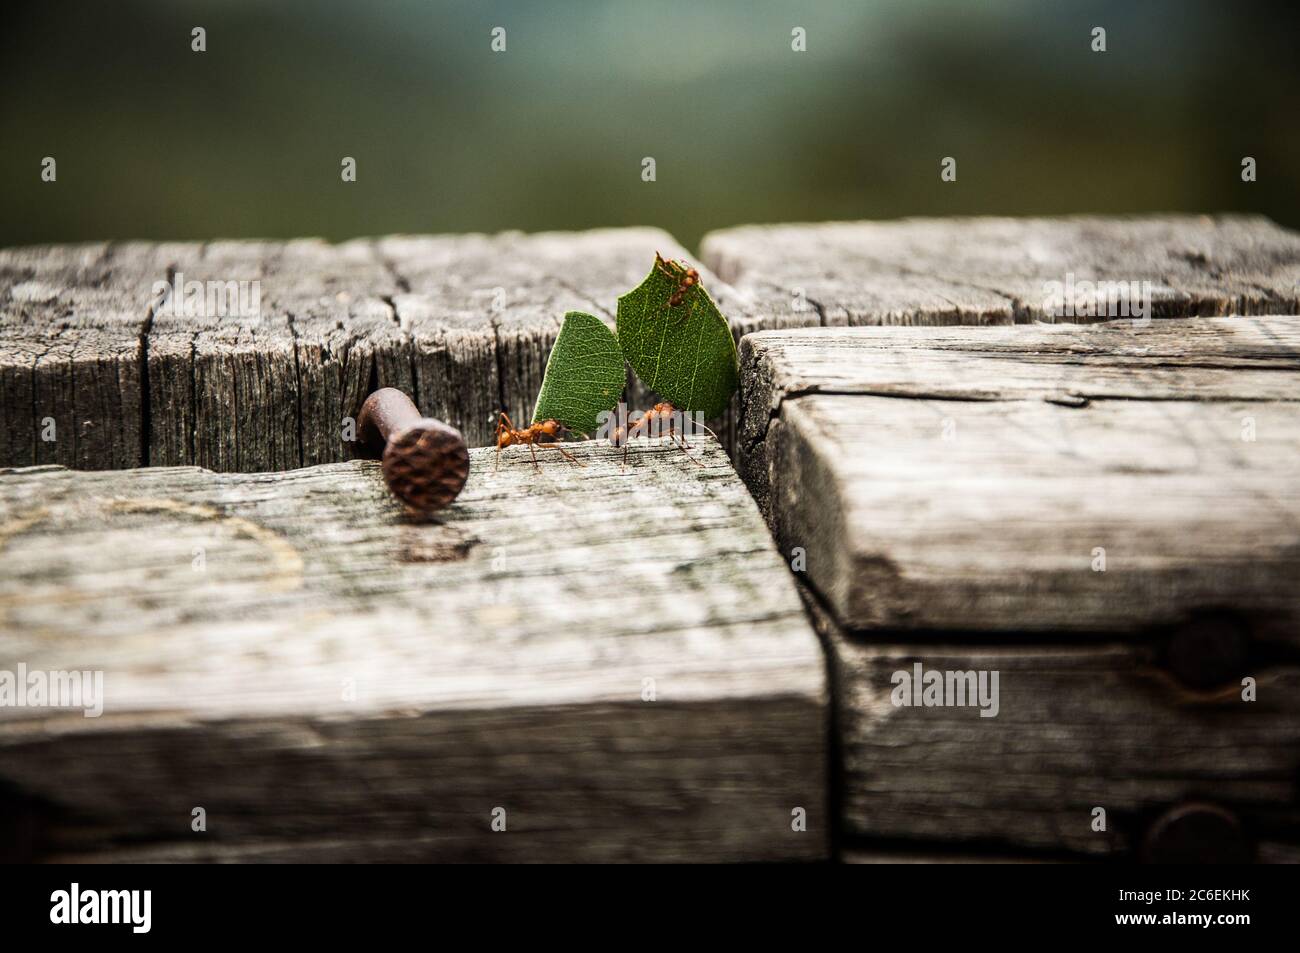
155	141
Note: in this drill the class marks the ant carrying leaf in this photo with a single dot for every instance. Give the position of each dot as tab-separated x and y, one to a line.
660	421
677	341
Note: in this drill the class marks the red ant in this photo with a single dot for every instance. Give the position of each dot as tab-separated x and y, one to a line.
660	421
686	279
508	434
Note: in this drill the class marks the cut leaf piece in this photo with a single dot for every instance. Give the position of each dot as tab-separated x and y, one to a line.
684	351
584	374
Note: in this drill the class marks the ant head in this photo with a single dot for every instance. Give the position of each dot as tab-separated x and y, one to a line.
664	409
552	428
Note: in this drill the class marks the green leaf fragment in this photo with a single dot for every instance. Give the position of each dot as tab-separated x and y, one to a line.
584	376
684	352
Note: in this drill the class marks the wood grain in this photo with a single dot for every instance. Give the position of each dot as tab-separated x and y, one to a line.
982	271
463	323
1077	727
497	657
73	320
966	479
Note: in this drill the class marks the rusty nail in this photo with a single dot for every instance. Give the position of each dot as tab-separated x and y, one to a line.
425	460
1197	833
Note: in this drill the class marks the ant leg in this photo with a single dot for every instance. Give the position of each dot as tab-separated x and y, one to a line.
687	418
682	445
624	441
672	433
534	453
564	453
698	463
502	420
705	429
627	441
675	436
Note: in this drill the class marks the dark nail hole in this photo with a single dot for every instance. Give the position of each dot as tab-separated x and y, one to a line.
1196	833
1209	651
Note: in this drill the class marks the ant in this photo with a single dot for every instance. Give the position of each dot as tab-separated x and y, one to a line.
661	421
686	279
508	434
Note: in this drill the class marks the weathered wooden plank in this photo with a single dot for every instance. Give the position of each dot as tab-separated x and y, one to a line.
1190	360
996	270
971	479
463	323
951	490
1075	728
339	681
470	319
269	389
72	325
